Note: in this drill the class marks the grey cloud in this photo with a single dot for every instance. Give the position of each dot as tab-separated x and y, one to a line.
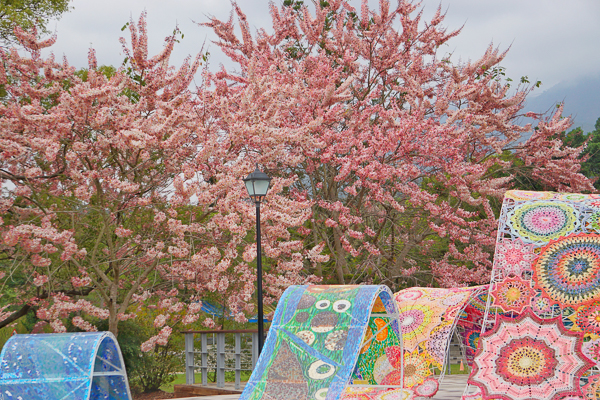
549	40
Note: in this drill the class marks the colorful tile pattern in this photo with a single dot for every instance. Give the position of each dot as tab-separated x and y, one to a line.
546	282
529	358
316	339
428	317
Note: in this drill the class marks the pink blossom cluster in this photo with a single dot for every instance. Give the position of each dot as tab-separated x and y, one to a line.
125	186
161	339
404	140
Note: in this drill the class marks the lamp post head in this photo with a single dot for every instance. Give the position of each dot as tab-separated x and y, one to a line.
257	184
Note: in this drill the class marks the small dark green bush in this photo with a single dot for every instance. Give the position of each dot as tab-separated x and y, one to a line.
147	372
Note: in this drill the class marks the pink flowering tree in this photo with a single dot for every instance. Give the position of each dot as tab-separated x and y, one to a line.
118	190
411	150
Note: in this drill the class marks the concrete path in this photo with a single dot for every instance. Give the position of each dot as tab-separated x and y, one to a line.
452	388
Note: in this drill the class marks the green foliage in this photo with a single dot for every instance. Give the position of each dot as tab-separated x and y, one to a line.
590	167
147	371
295	4
27	13
23	325
499	72
106	70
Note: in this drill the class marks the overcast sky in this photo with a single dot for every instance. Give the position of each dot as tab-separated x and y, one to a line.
554	41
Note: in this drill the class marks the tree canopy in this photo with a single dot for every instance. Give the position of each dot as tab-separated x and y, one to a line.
590	156
123	187
411	150
27	14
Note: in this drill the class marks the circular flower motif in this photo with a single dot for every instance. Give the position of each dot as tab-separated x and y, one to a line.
411	319
541	222
408	295
428	388
592	350
322	304
341	306
568	270
395	394
320	370
541	305
528	357
573	197
472	340
588	318
321	394
513	257
416	322
512	294
416	368
526	361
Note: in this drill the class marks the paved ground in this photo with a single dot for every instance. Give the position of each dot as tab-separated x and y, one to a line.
452	388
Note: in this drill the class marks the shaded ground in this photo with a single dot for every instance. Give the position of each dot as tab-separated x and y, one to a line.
159	395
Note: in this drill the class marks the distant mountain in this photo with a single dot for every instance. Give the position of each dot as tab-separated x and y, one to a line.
581	98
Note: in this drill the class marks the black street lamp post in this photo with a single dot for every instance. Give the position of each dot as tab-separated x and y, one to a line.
257	184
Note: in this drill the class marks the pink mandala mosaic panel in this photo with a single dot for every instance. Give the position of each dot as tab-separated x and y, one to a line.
546	273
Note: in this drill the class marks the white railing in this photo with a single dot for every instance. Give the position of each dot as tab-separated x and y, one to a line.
219	351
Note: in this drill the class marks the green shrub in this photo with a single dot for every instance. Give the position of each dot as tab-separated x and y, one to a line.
147	371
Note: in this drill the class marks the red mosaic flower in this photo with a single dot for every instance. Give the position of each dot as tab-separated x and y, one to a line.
512	294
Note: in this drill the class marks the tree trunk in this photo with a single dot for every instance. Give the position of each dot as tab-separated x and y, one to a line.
15	316
340	257
319	268
113	324
113	320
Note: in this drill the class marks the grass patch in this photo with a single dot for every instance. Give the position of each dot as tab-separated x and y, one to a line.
454	369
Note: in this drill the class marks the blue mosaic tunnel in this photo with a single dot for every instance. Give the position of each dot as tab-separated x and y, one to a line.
63	366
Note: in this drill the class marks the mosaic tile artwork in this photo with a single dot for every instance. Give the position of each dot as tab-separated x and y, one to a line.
529	357
82	366
543	320
317	336
375	393
428	317
380	357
